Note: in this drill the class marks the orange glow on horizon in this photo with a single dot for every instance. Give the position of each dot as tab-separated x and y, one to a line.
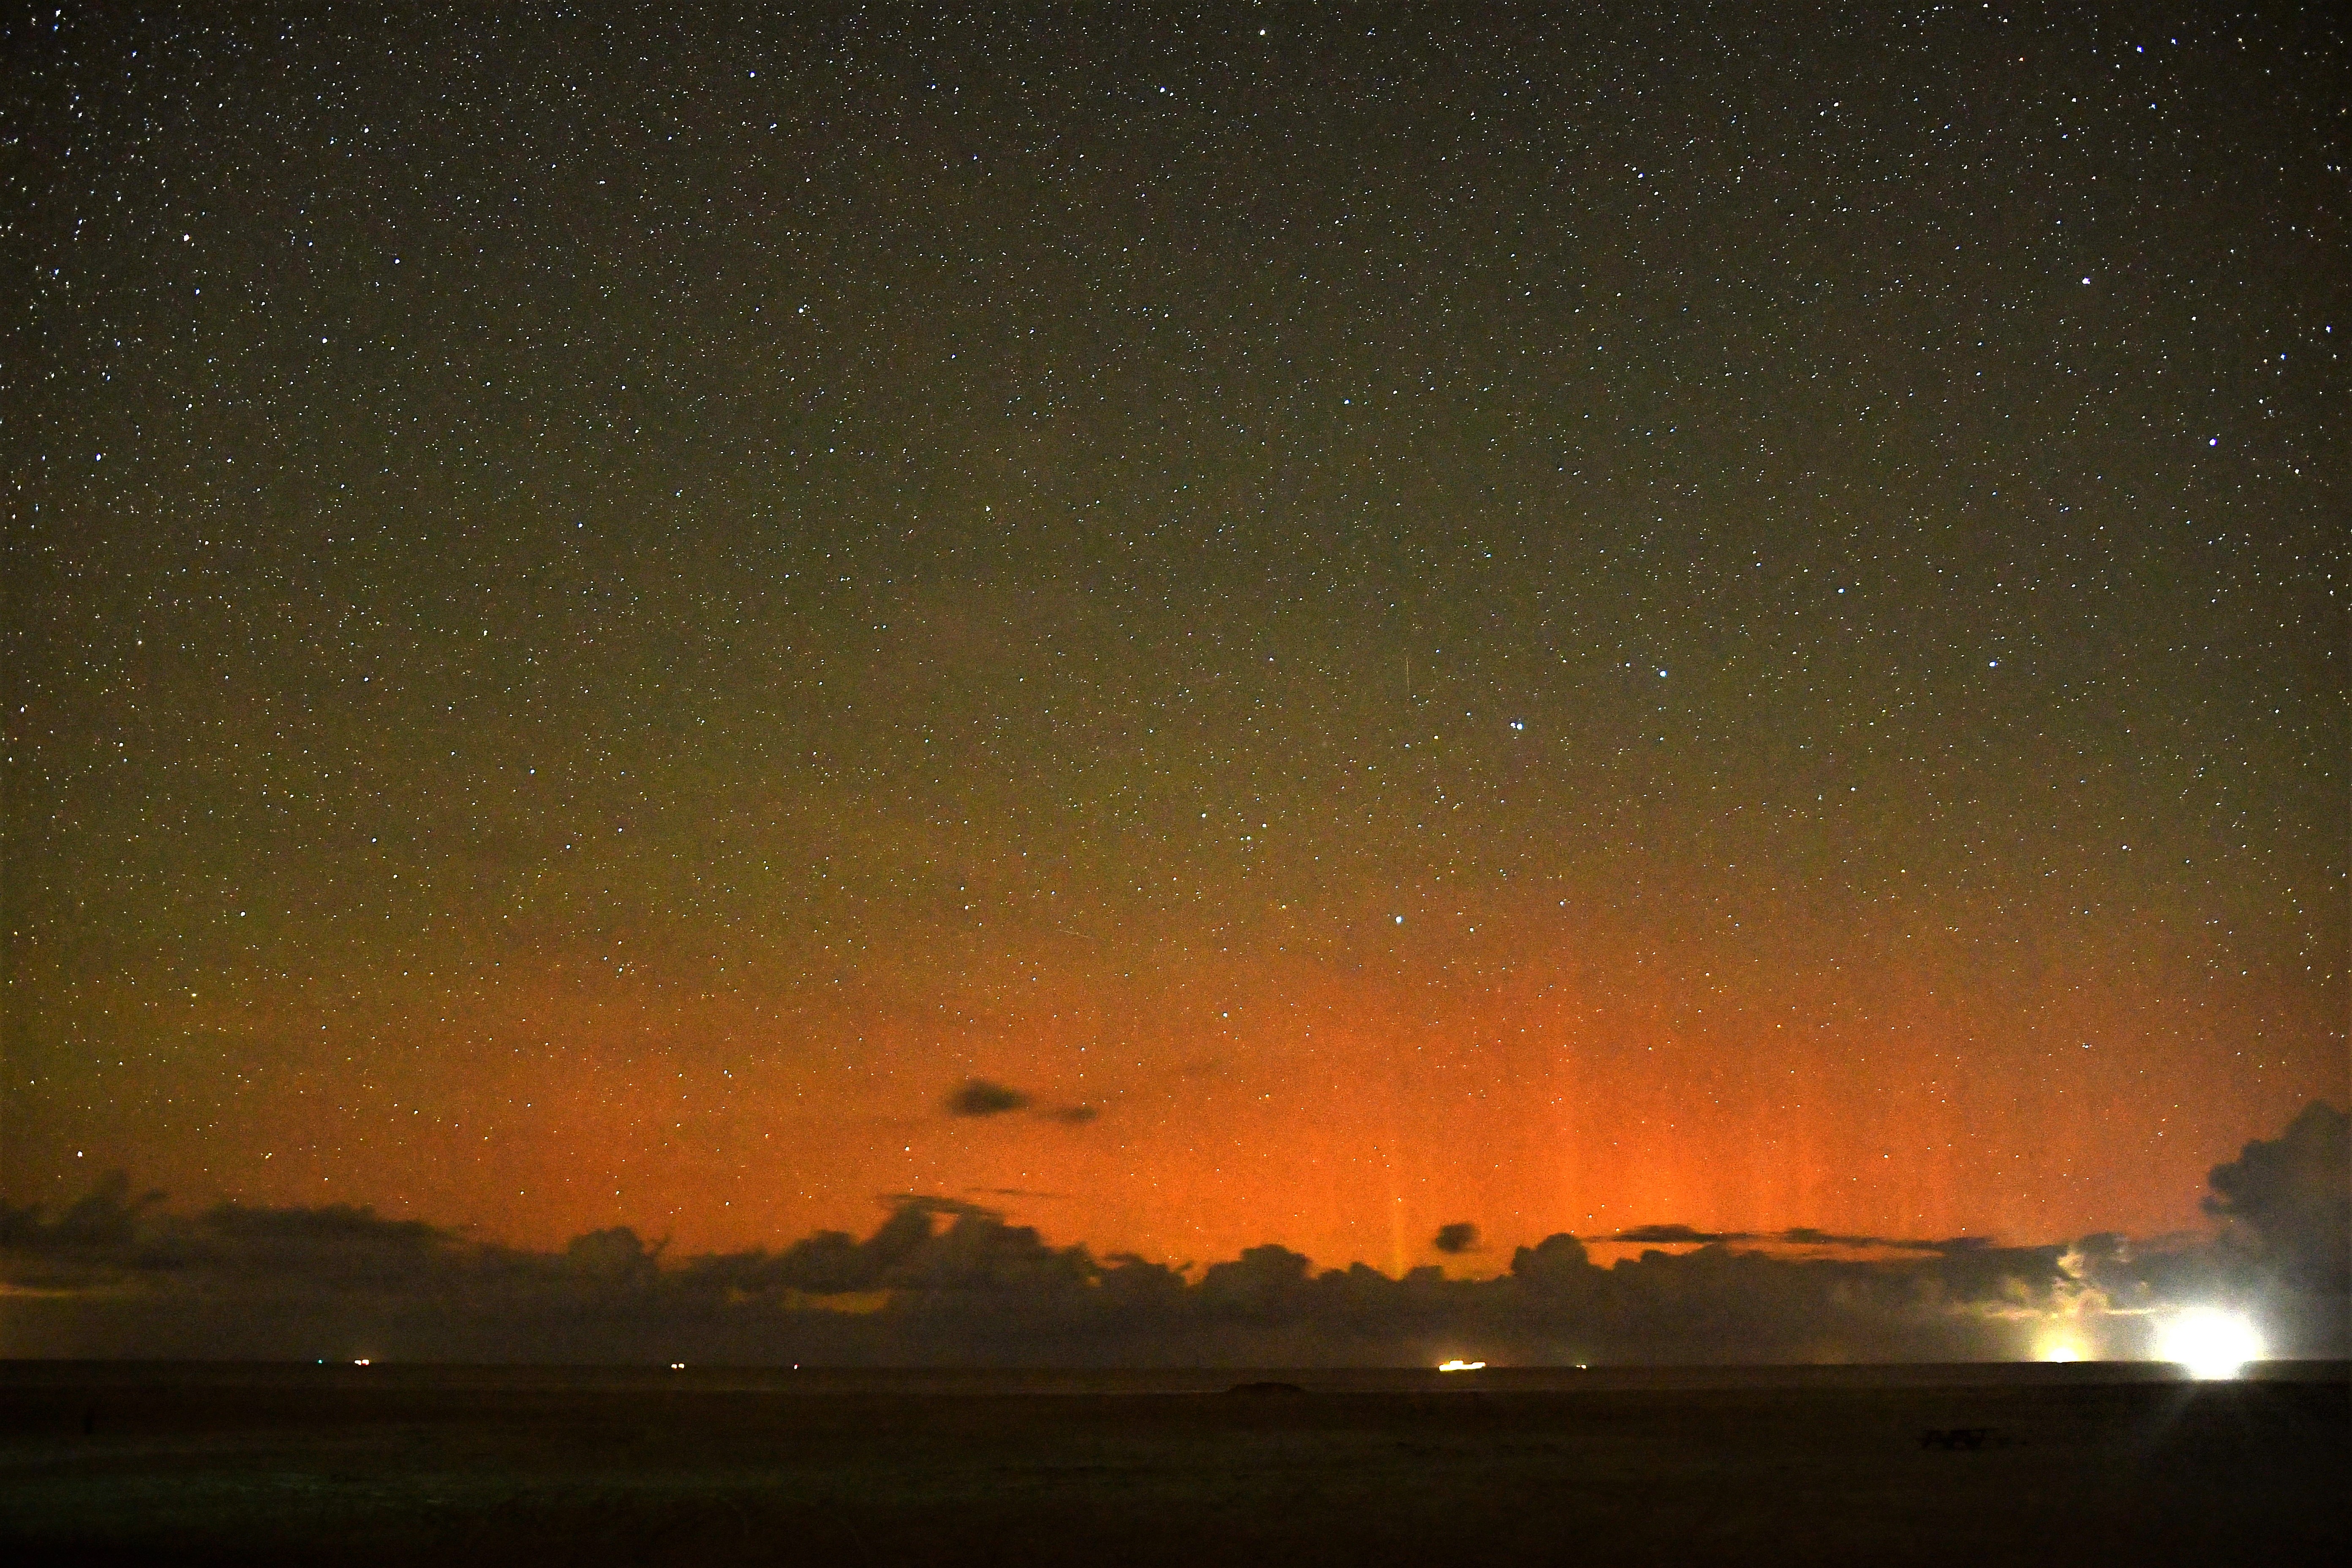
1343	1103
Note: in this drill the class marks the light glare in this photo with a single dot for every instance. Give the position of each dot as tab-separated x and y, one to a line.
2211	1342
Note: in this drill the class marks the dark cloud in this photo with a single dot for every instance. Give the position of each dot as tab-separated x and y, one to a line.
104	1218
1456	1238
618	1257
1675	1235
1555	1264
1805	1236
1796	1235
2288	1200
940	1280
979	1097
943	1280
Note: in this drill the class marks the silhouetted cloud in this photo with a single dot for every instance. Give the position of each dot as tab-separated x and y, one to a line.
979	1097
1073	1115
941	1280
1456	1238
1675	1235
106	1217
1796	1235
2289	1200
1806	1236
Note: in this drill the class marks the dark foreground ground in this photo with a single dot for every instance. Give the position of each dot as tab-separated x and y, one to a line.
109	1465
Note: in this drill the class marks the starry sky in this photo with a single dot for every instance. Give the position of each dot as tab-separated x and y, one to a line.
1244	626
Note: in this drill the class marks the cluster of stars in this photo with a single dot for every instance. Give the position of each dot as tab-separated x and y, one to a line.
595	622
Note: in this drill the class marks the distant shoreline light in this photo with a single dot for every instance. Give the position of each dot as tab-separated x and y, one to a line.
1460	1365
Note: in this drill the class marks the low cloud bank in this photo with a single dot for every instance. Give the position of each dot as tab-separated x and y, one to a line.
940	1281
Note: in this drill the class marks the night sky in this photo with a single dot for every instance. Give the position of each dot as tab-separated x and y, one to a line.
1236	628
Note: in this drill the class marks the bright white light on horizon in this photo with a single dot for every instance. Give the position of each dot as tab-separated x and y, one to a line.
2210	1342
1460	1365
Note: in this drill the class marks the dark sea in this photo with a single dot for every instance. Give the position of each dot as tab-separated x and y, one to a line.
111	1463
925	1382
